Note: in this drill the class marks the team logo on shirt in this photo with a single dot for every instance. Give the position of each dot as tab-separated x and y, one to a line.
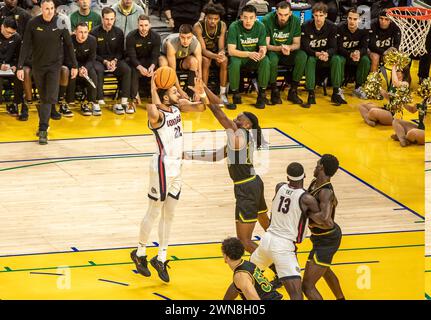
249	42
281	36
138	45
350	44
39	29
100	39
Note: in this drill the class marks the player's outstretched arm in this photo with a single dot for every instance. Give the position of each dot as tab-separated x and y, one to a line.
203	155
222	118
153	112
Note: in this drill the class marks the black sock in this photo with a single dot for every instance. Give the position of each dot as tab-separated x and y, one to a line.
273	85
61	92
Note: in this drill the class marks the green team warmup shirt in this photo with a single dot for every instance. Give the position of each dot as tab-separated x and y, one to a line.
247	40
284	35
93	19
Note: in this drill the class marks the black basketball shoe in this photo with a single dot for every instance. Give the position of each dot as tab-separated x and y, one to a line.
141	264
161	268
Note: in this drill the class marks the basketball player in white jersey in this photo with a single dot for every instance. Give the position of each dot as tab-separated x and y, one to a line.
291	208
164	119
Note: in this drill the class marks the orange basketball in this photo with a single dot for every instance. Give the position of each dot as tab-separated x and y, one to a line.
165	77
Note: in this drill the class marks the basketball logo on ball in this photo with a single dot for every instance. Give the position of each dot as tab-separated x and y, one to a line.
165	77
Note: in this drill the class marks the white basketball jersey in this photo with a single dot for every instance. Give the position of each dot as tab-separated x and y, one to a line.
287	219
169	136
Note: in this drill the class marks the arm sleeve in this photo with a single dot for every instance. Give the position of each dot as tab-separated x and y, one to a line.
262	35
340	49
92	57
364	43
305	42
155	52
131	50
26	45
69	47
120	46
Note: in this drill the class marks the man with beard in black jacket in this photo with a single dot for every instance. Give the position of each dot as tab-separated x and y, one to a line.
11	9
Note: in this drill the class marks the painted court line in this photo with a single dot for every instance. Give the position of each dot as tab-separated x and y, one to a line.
190	244
161	296
48	273
114	282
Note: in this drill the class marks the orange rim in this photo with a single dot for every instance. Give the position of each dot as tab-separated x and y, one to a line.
425	14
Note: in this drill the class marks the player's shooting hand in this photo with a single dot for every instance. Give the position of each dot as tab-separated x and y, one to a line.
73	73
20	75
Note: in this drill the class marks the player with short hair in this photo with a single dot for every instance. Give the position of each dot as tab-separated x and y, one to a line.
246	44
384	34
248	280
182	51
325	236
319	41
165	120
211	33
353	49
292	206
283	39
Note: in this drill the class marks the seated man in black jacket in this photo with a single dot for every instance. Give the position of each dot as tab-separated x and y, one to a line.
11	9
10	42
85	46
143	51
384	34
109	58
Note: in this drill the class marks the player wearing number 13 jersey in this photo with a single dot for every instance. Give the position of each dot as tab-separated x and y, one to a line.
164	119
292	206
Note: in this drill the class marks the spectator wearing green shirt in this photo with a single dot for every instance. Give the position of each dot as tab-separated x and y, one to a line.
283	39
85	14
247	49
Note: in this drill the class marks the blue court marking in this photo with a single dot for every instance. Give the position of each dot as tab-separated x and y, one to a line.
161	296
114	282
48	273
354	176
74	249
156	244
187	244
135	271
399	209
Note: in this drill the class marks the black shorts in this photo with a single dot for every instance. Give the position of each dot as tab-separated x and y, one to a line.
325	246
250	199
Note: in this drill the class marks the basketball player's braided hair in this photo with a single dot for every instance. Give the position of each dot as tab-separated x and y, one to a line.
255	125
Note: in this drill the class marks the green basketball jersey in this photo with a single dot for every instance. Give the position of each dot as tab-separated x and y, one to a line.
281	35
247	40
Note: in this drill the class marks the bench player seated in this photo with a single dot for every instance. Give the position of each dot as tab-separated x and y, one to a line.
246	44
384	34
211	33
353	49
319	42
283	38
182	52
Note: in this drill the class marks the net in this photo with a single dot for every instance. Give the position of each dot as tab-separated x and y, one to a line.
414	24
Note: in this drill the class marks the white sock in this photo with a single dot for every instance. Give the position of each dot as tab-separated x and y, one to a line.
142	250
222	90
162	254
165	224
123	100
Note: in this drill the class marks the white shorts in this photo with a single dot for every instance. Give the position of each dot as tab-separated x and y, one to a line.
165	178
281	252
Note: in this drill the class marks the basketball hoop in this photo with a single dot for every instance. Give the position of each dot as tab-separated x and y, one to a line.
414	24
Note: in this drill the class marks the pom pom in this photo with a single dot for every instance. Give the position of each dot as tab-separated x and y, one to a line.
399	99
373	85
396	58
424	90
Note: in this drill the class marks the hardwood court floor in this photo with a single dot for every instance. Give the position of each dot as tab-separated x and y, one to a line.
92	194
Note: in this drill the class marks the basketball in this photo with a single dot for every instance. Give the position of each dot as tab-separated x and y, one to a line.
165	77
